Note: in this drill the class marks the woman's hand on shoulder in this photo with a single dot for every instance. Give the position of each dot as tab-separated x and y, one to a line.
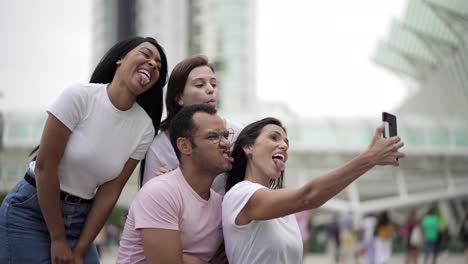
385	151
163	170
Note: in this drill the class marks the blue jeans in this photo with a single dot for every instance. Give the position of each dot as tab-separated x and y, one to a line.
24	237
430	249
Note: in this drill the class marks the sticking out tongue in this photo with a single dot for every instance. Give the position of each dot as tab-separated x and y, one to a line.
142	79
228	157
279	164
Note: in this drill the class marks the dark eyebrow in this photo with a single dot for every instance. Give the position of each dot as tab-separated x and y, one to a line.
279	134
203	79
151	53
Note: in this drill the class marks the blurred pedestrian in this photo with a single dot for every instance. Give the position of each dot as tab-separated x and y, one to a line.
414	239
348	241
464	235
384	231
430	225
368	226
442	234
334	238
303	220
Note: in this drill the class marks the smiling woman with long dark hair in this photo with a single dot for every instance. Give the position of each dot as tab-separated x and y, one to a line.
94	137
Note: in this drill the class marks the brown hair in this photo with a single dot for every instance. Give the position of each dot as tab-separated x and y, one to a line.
176	85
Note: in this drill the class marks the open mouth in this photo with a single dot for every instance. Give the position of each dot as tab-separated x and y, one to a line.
144	77
227	155
145	72
278	160
278	156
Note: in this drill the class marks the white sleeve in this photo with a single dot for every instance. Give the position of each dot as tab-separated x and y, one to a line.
70	106
145	143
236	199
152	163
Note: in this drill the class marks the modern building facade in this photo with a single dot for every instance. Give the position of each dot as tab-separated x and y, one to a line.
428	49
222	30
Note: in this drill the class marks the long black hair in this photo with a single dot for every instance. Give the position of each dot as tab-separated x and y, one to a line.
248	136
152	99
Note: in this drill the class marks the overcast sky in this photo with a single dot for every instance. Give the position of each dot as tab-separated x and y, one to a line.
323	50
45	47
315	55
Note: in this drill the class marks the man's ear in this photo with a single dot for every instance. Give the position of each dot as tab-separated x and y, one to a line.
184	146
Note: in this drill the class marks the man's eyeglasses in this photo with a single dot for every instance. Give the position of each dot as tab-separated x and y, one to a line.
215	137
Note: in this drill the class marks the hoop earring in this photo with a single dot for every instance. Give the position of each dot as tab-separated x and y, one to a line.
249	155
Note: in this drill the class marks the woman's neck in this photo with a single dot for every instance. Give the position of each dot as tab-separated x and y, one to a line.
253	174
120	96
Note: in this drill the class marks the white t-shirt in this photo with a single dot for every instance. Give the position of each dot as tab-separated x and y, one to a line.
168	202
272	241
103	137
161	154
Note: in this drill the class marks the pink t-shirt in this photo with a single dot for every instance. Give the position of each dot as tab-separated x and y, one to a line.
168	202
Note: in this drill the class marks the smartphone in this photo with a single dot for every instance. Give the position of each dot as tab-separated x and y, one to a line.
390	122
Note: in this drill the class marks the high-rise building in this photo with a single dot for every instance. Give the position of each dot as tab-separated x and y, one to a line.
224	30
113	20
167	21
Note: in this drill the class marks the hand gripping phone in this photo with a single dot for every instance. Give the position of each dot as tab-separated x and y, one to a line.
390	123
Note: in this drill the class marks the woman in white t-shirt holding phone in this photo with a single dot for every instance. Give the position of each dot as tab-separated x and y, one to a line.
258	221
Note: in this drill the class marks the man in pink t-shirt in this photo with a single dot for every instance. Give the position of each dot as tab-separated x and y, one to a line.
177	216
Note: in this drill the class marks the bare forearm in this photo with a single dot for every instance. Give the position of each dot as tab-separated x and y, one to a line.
323	188
53	142
163	246
48	191
104	201
268	204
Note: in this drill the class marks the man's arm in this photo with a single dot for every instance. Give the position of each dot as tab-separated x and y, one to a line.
162	245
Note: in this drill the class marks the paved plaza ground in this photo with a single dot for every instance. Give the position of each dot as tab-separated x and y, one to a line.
110	257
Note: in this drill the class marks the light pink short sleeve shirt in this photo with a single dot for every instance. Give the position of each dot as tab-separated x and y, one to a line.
168	202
